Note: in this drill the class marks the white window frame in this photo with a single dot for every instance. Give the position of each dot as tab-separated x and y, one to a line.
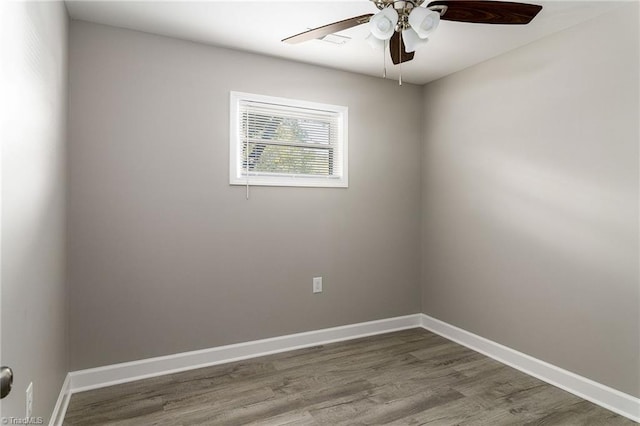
236	177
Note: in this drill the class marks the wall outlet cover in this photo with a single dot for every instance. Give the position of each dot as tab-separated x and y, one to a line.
317	285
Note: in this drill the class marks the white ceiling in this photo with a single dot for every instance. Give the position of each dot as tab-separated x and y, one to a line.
258	26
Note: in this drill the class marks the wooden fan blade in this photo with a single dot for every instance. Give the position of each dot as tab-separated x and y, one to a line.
488	12
328	29
397	56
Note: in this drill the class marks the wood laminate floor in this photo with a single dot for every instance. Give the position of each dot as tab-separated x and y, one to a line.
410	377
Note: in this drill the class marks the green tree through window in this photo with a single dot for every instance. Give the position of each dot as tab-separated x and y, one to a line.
286	145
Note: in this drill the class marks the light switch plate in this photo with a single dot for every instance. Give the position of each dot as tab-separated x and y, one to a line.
29	399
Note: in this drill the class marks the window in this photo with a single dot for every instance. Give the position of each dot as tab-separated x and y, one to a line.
286	142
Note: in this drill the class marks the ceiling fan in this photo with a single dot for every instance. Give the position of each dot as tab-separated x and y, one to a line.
406	24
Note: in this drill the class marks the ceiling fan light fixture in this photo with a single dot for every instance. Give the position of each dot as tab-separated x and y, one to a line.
424	21
383	23
406	24
374	42
412	40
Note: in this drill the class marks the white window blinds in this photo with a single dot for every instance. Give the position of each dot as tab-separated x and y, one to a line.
278	141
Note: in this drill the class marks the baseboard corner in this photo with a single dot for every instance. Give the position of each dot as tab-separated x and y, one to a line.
60	409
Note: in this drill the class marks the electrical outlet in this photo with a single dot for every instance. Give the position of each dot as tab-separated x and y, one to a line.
29	399
317	285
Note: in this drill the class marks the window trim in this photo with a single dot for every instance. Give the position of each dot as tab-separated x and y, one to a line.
235	145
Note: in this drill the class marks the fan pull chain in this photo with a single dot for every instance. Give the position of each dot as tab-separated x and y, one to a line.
384	60
400	56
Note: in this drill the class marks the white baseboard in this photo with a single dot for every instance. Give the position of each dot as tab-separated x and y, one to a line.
609	398
82	380
129	371
60	409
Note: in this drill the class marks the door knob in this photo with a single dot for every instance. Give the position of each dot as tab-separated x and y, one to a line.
6	380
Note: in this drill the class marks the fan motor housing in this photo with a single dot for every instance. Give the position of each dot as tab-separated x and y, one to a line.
399	5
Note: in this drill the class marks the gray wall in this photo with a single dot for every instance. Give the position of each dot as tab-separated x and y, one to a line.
34	93
166	256
530	200
528	207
